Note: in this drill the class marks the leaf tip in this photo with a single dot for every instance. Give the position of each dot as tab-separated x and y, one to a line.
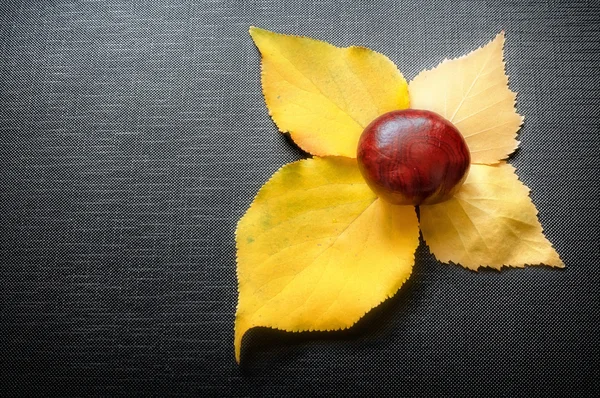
256	33
253	30
501	36
240	329
237	347
558	264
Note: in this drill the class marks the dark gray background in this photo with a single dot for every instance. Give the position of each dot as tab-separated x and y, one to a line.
133	137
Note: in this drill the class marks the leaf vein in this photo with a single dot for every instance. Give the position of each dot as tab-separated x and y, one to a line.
471	86
317	88
316	258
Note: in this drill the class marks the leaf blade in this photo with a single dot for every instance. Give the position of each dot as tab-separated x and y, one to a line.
472	92
323	95
490	222
320	257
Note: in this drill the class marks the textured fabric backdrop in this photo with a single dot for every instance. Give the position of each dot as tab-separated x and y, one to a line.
133	137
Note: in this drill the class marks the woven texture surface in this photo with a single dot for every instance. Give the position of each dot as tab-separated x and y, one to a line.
133	137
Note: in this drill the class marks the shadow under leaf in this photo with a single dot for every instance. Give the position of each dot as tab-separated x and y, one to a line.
375	324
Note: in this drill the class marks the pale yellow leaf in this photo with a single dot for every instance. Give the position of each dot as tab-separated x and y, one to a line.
323	95
490	222
472	92
316	249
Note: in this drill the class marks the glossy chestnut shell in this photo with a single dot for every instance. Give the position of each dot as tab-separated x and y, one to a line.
413	157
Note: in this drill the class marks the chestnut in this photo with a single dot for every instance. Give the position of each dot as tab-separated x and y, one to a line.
413	157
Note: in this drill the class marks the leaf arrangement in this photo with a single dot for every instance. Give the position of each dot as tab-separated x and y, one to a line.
317	249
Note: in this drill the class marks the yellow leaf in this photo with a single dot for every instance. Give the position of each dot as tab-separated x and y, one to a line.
472	92
490	222
323	95
316	249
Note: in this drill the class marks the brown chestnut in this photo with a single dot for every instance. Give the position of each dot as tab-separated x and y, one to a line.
413	157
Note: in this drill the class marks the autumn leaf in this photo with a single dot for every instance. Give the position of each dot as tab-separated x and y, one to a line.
490	222
316	249
324	96
472	92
